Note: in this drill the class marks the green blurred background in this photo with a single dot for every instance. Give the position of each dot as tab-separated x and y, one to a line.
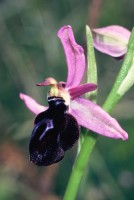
29	52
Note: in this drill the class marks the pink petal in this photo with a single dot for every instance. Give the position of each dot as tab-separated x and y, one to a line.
74	56
93	117
82	89
32	105
111	40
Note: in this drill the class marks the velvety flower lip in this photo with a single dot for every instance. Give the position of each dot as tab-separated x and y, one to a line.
111	40
87	113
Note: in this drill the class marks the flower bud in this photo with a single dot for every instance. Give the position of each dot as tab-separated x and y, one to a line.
111	40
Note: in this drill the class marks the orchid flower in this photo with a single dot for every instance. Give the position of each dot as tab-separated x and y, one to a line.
87	113
111	40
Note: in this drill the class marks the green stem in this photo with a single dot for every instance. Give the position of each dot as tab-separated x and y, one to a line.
91	138
80	166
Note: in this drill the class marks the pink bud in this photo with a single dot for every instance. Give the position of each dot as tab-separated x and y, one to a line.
111	40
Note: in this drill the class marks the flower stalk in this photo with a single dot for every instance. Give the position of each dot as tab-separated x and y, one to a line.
90	138
80	165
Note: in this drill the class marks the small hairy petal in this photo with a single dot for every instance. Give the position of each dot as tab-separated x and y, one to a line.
31	104
111	40
81	89
93	117
48	81
74	56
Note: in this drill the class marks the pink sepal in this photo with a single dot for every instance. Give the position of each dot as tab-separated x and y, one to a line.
74	56
32	105
93	117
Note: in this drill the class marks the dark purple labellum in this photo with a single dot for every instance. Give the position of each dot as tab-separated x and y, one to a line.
55	131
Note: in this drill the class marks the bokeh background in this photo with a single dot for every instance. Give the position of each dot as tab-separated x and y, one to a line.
29	52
